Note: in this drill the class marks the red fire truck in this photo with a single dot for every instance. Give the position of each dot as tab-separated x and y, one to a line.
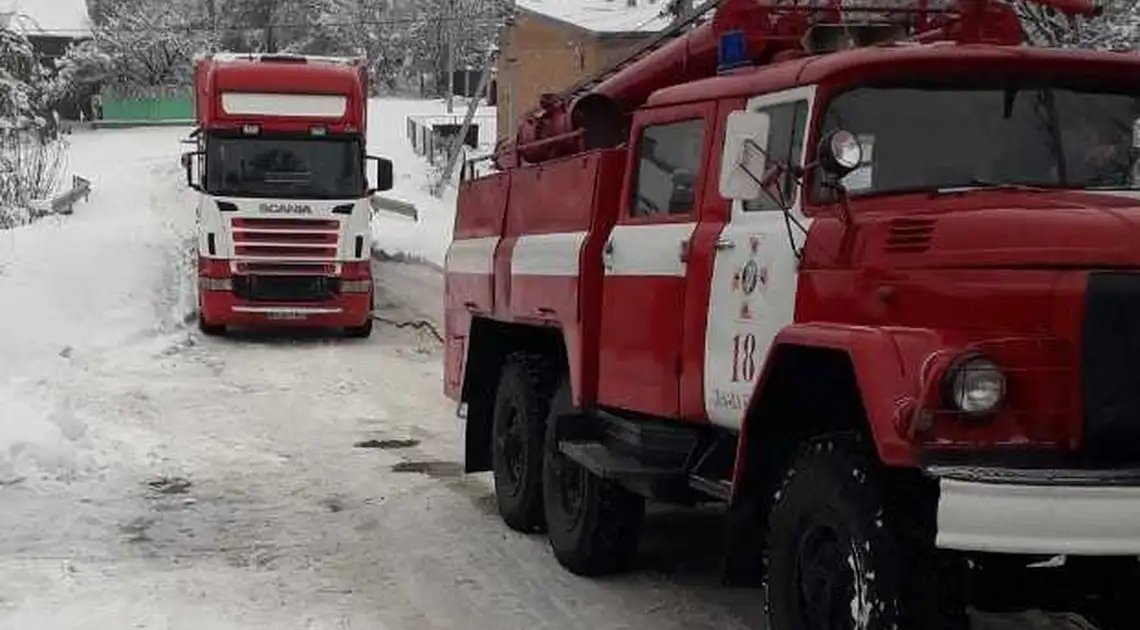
871	284
284	233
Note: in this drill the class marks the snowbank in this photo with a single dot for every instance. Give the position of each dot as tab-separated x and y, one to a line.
428	237
73	288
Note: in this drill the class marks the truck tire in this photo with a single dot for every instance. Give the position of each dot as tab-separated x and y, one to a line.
594	525
208	329
518	424
362	331
838	549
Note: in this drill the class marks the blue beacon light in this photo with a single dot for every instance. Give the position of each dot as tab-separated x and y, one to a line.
732	52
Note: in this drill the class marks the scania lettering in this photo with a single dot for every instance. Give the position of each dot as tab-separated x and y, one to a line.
284	207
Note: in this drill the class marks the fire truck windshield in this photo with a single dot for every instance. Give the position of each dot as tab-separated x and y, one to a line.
298	168
934	135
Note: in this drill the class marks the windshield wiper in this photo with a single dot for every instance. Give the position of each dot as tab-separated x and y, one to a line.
977	183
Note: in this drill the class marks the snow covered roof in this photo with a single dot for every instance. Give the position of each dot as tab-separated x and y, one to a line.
64	18
602	16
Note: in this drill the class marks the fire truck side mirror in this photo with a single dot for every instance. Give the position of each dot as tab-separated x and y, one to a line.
743	161
190	160
383	174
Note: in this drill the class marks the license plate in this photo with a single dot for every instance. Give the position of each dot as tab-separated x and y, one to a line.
286	315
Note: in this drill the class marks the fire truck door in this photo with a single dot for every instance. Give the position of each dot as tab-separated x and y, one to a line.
643	289
754	268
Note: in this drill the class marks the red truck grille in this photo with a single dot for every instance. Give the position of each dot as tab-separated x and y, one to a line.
290	239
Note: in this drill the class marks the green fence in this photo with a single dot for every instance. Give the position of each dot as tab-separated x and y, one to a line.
175	106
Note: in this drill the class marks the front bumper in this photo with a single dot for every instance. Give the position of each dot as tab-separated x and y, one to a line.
1039	512
225	309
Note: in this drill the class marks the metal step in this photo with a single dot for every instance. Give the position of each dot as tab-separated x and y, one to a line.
716	488
609	464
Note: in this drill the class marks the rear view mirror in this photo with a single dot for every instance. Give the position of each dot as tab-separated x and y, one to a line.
743	160
383	175
192	162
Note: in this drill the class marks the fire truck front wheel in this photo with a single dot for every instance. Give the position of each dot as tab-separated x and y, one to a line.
842	553
522	403
593	524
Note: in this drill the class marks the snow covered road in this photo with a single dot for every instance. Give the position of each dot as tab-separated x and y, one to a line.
151	478
156	479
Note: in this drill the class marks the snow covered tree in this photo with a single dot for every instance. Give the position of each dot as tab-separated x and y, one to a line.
150	43
22	84
30	156
1117	28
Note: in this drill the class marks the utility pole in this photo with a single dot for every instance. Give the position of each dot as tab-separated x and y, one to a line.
450	56
457	143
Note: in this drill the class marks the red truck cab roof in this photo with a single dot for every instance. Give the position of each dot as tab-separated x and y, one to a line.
281	93
841	69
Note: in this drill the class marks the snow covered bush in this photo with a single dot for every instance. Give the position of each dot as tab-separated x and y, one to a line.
31	169
80	71
31	158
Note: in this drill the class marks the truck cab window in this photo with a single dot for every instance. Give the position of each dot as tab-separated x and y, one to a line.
938	134
785	144
327	168
668	168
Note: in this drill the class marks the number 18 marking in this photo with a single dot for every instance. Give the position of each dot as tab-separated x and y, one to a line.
743	358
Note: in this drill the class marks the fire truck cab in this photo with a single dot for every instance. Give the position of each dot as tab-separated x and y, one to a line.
284	212
873	288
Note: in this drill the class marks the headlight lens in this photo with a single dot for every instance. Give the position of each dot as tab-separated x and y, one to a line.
977	385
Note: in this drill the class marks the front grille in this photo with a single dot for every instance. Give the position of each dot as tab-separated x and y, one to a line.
1110	368
290	239
283	288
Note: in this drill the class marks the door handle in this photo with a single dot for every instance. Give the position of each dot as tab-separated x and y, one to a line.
723	243
608	255
683	252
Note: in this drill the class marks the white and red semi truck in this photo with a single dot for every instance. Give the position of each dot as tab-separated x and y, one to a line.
284	235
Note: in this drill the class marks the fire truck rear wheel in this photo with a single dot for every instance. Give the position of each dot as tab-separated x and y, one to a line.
838	558
522	403
593	524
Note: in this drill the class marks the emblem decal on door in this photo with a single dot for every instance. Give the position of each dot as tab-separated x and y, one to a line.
750	277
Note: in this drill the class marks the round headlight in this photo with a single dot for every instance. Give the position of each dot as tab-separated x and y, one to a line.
846	150
976	385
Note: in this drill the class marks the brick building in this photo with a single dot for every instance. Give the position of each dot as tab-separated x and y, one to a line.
552	44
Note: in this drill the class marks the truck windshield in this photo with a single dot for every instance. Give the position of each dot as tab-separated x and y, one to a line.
940	135
297	168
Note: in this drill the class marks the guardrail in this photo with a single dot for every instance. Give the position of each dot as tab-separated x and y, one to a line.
64	202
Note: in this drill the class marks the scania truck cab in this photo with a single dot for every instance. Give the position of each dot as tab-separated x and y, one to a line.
284	211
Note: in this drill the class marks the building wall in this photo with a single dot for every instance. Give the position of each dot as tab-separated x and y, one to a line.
541	55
